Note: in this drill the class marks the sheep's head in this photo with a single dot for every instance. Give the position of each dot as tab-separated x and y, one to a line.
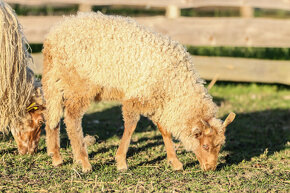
211	136
27	134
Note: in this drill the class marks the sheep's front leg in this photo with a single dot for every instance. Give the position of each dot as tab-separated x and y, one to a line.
130	122
53	144
75	134
170	150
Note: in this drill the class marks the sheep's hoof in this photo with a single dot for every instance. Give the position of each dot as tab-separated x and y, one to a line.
122	166
87	168
57	161
176	164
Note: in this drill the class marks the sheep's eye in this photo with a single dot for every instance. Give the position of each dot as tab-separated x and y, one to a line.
205	147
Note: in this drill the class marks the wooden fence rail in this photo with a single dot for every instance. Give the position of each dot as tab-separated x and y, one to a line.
228	69
256	32
248	32
267	4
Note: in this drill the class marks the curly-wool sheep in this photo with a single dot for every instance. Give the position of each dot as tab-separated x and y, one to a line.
92	56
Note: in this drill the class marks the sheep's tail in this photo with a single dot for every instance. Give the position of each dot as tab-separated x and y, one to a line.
53	94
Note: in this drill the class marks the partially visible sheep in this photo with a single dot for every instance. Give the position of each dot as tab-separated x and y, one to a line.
20	96
97	57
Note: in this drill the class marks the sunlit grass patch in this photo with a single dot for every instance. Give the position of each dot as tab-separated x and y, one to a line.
255	157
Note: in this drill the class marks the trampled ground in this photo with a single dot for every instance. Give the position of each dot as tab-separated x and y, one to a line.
256	156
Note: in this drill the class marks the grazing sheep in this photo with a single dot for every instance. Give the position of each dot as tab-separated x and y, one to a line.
20	97
92	56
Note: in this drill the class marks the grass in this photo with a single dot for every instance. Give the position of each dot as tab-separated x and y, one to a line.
255	157
129	11
242	52
25	10
272	13
211	12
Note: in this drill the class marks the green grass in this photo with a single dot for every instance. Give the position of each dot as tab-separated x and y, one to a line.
242	52
272	13
211	12
234	12
24	10
255	158
129	11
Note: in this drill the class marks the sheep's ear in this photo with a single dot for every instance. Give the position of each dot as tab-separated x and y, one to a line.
205	124
196	132
41	108
38	96
207	127
228	120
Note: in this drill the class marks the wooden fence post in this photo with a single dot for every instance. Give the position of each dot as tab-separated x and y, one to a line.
85	7
172	11
247	11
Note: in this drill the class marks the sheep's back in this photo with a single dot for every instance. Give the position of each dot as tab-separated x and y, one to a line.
115	52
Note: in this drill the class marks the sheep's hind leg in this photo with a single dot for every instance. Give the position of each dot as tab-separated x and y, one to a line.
170	150
131	119
73	118
53	144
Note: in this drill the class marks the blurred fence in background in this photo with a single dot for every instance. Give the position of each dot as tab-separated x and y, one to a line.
243	31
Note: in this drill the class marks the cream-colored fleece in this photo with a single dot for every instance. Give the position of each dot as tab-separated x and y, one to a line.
114	52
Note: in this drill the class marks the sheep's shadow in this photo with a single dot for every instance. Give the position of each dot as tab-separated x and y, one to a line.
252	133
102	125
7	137
109	123
12	150
248	136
